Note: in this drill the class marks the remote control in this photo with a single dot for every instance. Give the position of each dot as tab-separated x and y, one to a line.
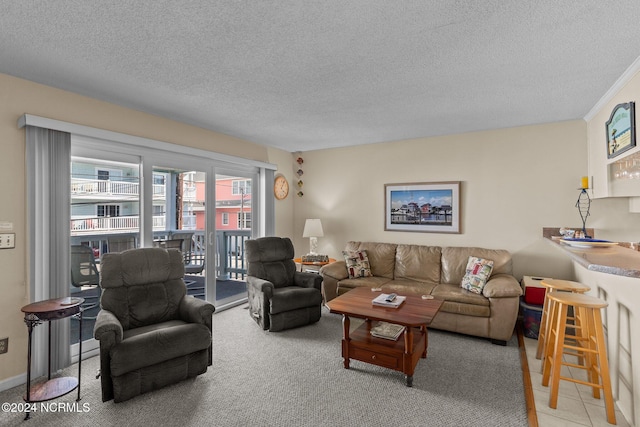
390	298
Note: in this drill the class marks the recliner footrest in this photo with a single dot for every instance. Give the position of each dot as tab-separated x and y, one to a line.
150	345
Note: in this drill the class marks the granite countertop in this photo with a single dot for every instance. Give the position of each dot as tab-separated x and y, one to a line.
617	259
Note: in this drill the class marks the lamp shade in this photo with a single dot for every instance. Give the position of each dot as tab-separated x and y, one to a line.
313	228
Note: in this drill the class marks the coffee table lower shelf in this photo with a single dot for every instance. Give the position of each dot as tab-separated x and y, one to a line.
400	355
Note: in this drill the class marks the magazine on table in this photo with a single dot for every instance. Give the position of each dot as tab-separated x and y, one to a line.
382	300
388	331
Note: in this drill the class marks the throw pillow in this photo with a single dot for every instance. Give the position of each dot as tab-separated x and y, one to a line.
357	264
477	274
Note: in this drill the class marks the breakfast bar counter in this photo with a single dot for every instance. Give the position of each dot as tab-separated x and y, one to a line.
613	274
616	259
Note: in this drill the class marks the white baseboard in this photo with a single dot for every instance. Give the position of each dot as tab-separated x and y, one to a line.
21	379
13	382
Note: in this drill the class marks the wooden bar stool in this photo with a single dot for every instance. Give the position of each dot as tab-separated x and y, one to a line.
590	347
554	285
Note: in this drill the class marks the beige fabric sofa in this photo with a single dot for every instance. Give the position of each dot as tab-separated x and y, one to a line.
438	271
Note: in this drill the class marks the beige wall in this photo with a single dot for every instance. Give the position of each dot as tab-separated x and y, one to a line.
18	97
284	209
514	182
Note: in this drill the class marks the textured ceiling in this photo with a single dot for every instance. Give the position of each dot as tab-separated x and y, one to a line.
304	75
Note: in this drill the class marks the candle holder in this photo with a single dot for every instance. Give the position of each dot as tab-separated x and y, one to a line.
584	205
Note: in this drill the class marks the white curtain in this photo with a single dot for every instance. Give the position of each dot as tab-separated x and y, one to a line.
48	187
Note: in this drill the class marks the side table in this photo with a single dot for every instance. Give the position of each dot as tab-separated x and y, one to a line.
35	314
312	267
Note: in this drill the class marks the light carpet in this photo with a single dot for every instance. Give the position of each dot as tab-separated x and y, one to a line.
296	378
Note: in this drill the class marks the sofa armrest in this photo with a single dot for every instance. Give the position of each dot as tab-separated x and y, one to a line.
502	286
307	280
260	285
336	270
107	328
194	310
331	275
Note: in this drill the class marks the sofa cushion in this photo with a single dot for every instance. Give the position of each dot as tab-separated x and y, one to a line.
421	263
456	294
454	262
382	256
478	272
357	263
149	345
369	282
408	287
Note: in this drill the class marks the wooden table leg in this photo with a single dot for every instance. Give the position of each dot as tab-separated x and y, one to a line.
423	330
345	340
408	355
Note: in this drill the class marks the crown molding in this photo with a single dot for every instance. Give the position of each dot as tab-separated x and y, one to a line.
617	86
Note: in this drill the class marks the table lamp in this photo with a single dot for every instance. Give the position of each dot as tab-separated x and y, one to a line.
313	230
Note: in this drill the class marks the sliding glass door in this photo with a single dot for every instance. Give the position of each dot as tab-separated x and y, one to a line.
105	217
233	221
179	211
207	212
111	184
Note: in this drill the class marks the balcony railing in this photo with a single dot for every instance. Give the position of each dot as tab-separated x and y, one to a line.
230	254
82	187
113	224
99	187
229	258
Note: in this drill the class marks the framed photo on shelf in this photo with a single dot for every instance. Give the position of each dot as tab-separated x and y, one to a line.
621	129
428	207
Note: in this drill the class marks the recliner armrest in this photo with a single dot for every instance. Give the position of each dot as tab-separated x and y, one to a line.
502	286
194	310
260	285
107	326
307	280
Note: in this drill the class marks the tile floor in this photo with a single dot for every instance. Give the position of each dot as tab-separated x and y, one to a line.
576	405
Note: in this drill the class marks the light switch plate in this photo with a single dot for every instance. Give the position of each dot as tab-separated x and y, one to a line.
7	240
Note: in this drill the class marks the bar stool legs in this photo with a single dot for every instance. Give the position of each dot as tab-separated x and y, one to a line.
554	285
589	345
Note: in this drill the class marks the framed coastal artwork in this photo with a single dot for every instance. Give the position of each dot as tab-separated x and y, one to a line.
621	129
428	207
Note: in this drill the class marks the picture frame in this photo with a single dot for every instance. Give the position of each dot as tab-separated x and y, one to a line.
621	129
427	207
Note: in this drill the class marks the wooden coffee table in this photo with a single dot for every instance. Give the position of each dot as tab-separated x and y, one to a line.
415	314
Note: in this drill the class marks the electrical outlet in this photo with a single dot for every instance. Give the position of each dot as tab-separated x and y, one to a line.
4	345
7	240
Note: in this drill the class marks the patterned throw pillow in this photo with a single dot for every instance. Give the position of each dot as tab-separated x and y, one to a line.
357	264
478	272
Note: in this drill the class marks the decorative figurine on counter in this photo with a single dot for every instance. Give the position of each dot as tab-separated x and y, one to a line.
584	205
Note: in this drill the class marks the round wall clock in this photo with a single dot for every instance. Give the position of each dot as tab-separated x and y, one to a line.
280	187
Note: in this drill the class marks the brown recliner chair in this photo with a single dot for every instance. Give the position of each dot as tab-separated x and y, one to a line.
279	296
151	334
